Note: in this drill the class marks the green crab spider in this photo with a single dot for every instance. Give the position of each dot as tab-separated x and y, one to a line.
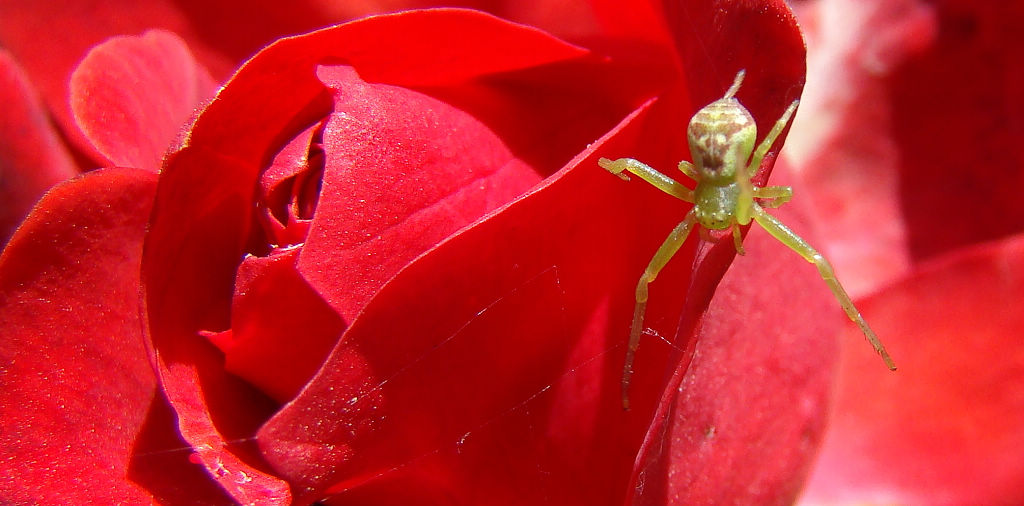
721	137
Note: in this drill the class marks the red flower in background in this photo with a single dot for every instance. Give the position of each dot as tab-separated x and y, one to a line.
906	142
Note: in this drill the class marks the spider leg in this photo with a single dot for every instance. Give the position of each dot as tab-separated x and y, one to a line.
769	140
665	252
688	169
796	243
649	174
746	197
736	83
773	196
743	204
737	240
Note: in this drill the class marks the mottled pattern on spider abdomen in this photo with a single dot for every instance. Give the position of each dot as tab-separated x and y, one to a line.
721	137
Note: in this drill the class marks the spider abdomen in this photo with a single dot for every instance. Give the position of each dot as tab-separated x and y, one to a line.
721	137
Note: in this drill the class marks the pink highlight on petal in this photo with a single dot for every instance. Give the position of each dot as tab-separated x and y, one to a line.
132	95
842	142
945	427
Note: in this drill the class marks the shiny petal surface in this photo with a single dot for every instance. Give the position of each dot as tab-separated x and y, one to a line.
396	184
75	379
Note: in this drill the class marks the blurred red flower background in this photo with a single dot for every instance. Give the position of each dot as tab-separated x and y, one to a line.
378	264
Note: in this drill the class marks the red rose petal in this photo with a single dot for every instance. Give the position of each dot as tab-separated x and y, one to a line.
76	380
502	330
403	172
163	463
593	20
944	429
715	40
290	188
237	29
205	247
51	38
204	211
290	161
31	154
131	96
474	44
281	329
190	370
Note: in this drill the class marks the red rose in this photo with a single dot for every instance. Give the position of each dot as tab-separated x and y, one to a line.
382	266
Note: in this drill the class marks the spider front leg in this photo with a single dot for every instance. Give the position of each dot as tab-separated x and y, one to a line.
737	240
665	253
649	174
796	243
